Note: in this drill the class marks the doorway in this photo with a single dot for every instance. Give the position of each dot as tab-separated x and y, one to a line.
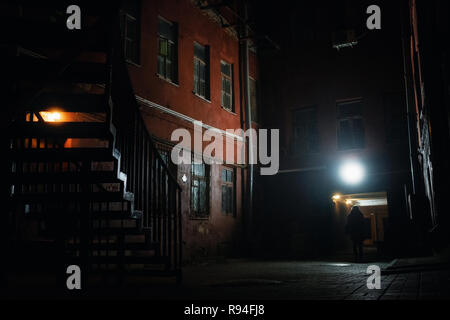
374	207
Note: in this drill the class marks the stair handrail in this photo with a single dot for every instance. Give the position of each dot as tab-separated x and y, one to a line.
120	66
140	158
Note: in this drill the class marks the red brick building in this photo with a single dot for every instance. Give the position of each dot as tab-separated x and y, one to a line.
185	67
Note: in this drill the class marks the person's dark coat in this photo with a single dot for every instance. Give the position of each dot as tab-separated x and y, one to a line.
355	225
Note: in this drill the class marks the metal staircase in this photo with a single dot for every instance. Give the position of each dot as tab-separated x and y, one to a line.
86	184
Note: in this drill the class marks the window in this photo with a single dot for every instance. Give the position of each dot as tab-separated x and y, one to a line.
228	195
201	70
167	50
253	99
130	21
227	85
305	132
200	190
350	125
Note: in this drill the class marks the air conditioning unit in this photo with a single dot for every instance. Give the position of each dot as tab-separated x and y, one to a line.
344	38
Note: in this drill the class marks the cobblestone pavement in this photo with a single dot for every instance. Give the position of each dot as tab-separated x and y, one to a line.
279	280
316	280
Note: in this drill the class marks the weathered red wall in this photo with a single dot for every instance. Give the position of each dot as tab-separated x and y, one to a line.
217	234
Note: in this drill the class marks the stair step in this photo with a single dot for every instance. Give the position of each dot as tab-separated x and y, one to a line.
126	260
142	237
124	223
60	130
77	196
114	231
133	246
61	154
137	272
65	177
72	102
118	231
114	215
34	69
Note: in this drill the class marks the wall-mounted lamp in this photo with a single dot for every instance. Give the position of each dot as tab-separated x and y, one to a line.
336	197
352	172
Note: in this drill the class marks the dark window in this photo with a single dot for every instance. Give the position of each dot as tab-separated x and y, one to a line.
350	125
201	70
227	85
305	131
200	190
167	50
253	99
228	194
130	26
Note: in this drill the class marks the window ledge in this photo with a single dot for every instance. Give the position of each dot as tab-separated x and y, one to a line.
227	110
167	80
198	218
232	215
199	96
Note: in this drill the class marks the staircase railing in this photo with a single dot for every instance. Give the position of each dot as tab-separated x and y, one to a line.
156	191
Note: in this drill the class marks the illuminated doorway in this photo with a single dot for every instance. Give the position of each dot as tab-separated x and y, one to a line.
374	207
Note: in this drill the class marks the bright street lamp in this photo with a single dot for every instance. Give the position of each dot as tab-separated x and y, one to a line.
352	172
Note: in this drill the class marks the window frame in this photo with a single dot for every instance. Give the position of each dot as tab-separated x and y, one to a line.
230	78
229	184
174	44
125	17
351	119
206	66
207	178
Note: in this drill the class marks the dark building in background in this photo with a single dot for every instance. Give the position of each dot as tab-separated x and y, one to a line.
336	91
427	70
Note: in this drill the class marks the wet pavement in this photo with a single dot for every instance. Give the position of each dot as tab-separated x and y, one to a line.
328	279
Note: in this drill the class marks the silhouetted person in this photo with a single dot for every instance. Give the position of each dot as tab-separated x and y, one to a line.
355	229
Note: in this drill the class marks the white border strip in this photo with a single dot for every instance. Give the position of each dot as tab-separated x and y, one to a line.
185	117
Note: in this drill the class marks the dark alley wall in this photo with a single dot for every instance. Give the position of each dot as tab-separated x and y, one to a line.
308	73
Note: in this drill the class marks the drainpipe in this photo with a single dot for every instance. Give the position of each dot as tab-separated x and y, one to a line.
406	74
244	36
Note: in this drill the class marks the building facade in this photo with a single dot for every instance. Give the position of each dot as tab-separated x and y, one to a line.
427	89
186	65
335	90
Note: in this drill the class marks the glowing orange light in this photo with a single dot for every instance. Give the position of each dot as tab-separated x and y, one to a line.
348	201
51	116
336	197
